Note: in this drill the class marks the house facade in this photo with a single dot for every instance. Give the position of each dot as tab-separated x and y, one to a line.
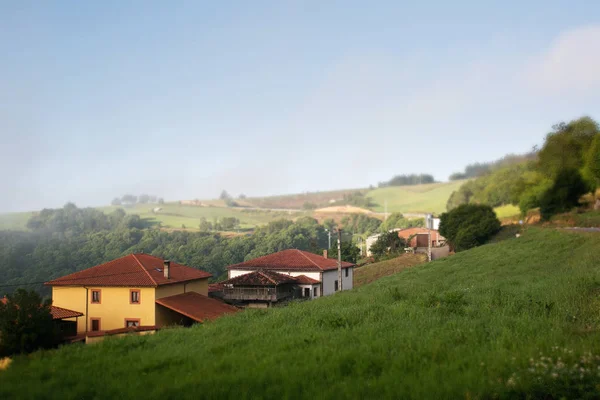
137	292
315	275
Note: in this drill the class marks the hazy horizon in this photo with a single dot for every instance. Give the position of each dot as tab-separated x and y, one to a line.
183	100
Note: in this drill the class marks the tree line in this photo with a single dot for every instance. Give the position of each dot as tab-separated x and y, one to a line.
130	199
70	239
552	179
405	180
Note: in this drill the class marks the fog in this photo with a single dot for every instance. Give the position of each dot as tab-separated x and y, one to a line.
100	100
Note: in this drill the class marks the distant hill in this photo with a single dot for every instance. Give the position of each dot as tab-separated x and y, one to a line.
506	320
257	211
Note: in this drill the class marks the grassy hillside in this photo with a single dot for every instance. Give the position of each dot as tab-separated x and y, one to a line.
372	272
418	198
174	215
14	221
490	322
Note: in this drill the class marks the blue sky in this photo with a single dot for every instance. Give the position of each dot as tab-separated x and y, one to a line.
184	99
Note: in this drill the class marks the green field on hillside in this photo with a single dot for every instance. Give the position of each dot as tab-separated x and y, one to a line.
14	221
372	272
507	320
418	198
175	216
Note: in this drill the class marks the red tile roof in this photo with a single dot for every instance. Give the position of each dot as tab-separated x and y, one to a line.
56	312
305	280
291	260
196	306
62	313
215	287
260	278
132	270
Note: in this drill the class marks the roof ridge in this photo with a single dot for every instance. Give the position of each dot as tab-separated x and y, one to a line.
260	271
305	256
143	268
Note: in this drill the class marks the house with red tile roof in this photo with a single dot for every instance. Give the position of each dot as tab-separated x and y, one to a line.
137	291
310	275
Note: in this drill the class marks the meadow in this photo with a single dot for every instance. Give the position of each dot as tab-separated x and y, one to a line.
514	319
176	216
414	199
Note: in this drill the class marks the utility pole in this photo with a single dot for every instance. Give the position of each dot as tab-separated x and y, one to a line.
339	231
428	243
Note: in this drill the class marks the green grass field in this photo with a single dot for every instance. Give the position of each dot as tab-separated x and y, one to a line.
416	199
14	221
372	272
174	216
507	211
515	319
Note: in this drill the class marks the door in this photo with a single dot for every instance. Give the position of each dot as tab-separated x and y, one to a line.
306	292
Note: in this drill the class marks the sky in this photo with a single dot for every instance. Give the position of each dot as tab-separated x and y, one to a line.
184	99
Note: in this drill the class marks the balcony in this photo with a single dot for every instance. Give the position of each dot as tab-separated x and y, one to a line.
256	294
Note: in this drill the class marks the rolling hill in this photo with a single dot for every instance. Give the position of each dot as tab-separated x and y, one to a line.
507	320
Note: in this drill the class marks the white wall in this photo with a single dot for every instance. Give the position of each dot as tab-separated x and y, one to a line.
312	290
329	278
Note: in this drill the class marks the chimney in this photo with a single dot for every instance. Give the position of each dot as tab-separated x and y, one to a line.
167	268
325	253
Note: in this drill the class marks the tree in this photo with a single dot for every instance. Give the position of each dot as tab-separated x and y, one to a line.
564	194
205	226
26	324
129	199
224	195
591	169
116	201
349	251
469	225
161	200
330	224
144	199
388	244
397	220
242	196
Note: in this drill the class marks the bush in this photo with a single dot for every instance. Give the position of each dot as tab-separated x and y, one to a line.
469	225
26	324
388	244
564	194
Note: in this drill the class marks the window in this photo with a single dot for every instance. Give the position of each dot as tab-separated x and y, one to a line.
306	292
96	296
132	322
95	322
347	269
335	286
315	292
135	296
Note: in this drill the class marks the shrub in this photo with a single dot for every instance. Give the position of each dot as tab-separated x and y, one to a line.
388	244
469	225
564	194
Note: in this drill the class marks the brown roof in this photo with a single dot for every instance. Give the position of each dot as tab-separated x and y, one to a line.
62	313
291	260
56	312
131	270
260	278
305	280
215	287
196	306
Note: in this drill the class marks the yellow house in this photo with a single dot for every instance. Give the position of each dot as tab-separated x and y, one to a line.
138	292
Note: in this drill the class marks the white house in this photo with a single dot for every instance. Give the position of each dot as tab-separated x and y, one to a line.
316	273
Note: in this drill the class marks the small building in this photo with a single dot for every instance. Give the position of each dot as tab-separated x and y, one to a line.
136	291
417	238
314	275
65	320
